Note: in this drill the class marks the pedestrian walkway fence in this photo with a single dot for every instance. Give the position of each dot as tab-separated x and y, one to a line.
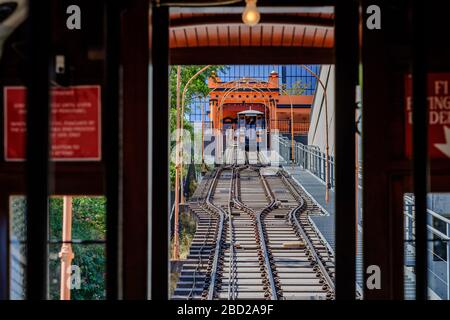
308	157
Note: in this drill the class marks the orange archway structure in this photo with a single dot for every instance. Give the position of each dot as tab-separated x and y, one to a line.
227	99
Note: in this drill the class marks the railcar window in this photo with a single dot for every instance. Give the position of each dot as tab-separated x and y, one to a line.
84	247
438	235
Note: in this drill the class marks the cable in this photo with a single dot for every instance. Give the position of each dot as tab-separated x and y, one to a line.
200	3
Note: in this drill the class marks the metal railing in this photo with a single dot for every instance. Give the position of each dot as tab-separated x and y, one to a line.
438	248
308	157
284	126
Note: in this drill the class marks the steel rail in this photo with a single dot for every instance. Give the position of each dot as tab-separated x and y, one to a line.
294	220
262	240
217	253
269	208
231	263
222	198
200	262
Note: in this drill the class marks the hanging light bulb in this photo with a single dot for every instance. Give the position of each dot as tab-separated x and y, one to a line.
251	15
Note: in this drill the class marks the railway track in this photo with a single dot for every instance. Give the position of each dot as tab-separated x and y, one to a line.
254	240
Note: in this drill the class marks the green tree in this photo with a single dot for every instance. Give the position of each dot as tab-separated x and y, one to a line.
297	88
88	223
198	88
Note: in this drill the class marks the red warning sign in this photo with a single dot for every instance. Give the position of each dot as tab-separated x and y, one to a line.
438	88
75	123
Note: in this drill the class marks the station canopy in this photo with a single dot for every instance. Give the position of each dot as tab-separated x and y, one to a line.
281	33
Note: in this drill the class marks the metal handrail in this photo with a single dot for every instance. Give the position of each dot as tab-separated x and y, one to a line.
410	201
410	238
310	158
432	229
